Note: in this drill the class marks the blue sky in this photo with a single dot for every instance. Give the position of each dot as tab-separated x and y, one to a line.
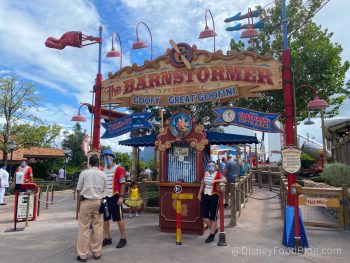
64	78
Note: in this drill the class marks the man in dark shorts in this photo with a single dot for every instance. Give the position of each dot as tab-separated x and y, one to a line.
115	190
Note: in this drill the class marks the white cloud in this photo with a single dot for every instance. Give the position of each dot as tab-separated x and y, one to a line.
183	20
71	71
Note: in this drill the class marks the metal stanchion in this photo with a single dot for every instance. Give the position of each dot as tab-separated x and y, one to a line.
47	198
296	191
27	209
52	191
178	220
222	236
233	204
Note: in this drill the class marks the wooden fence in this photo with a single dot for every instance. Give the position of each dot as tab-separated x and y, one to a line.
321	207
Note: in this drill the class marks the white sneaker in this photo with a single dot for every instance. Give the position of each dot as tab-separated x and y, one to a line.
136	214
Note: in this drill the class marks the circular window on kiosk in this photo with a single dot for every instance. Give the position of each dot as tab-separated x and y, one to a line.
180	125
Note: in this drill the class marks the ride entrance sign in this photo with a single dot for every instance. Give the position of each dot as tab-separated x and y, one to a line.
22	206
291	161
187	75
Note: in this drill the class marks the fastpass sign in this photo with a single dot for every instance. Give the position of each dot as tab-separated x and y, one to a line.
207	77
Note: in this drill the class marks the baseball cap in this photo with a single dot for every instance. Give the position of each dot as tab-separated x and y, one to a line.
107	152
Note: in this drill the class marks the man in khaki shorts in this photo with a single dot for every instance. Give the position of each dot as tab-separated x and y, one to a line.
91	185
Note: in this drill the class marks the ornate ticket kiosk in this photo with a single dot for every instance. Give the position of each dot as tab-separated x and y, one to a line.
182	146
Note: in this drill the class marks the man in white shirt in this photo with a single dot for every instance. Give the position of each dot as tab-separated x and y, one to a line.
61	173
4	182
148	172
91	185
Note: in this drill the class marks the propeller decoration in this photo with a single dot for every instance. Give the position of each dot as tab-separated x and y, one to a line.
183	58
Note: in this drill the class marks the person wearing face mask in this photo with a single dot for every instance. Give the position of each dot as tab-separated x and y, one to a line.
115	190
209	196
26	170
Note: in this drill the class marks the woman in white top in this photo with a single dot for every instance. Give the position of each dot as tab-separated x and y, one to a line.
209	195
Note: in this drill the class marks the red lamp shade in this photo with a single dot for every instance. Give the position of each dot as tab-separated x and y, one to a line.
113	53
317	104
207	33
139	44
250	33
78	118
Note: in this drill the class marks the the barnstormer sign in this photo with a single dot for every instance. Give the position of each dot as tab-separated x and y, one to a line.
185	75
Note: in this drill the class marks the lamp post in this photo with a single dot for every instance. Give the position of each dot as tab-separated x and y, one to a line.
12	146
292	217
78	117
307	122
115	53
319	104
208	32
76	39
140	44
65	151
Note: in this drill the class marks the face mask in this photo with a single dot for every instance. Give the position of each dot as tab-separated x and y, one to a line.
211	168
108	160
23	164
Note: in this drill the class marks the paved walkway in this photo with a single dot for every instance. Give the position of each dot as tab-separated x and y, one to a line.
257	238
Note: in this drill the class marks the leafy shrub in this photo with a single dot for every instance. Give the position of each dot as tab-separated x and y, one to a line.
318	179
336	174
307	161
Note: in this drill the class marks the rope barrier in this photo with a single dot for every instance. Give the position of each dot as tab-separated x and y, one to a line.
55	202
261	199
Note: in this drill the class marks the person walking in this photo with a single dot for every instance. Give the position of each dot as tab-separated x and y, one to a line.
26	170
222	165
209	195
91	185
61	174
114	193
230	172
4	182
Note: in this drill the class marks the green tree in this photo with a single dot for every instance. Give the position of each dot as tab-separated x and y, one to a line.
73	142
315	59
123	158
17	100
30	135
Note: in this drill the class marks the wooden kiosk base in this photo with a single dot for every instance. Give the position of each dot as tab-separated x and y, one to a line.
192	222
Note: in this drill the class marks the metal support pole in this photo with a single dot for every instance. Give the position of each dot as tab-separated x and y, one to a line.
12	177
97	89
39	198
178	221
16	210
52	191
47	198
324	141
346	207
297	238
65	164
233	204
260	178
27	209
222	236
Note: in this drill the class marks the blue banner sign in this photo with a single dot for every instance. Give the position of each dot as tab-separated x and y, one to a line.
255	120
127	124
